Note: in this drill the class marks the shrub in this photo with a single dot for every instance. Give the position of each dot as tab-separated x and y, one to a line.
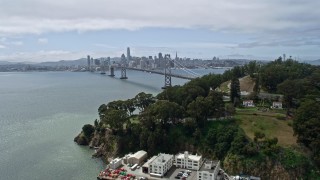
88	130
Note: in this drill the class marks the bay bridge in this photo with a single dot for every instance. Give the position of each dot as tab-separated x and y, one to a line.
167	71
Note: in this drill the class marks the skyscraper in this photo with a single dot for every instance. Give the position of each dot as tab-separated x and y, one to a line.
128	54
89	64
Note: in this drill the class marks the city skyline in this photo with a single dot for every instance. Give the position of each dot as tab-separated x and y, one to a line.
50	31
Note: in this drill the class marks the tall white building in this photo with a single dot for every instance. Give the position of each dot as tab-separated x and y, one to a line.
209	170
160	164
188	161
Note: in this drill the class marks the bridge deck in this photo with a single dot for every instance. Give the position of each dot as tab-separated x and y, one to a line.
161	73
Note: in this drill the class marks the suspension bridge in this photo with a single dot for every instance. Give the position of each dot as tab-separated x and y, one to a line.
166	71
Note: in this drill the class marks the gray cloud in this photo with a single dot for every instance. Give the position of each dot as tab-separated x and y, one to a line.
268	23
40	16
39	55
43	41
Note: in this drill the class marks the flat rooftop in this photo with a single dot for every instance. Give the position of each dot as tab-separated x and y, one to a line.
139	154
162	158
149	161
190	156
213	165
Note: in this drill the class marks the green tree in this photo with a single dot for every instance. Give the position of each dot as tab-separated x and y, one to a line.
306	124
88	130
191	92
165	112
199	109
235	91
115	118
130	106
217	108
143	100
257	85
251	68
292	89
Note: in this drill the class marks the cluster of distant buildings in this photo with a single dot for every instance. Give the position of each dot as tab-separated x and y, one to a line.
102	64
151	62
158	62
159	165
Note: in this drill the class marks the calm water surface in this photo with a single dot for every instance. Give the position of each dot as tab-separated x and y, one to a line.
41	113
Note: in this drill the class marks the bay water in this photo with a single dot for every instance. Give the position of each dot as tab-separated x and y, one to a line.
41	113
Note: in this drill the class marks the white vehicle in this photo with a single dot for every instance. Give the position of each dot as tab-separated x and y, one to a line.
134	167
185	175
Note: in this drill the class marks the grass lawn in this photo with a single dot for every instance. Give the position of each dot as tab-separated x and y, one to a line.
251	120
224	87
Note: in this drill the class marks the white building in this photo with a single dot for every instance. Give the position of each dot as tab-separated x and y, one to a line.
160	164
115	163
276	105
138	157
209	170
248	103
188	161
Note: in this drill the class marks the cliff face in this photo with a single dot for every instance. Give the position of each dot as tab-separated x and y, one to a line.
105	143
264	168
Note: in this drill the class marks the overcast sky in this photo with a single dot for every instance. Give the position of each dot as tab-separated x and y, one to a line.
50	30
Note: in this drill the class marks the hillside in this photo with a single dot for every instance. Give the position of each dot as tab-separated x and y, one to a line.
79	62
272	123
195	118
315	62
246	84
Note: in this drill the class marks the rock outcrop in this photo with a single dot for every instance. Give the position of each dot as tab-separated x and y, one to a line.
103	141
81	139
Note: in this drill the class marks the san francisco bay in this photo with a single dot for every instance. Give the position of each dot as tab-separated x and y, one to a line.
41	113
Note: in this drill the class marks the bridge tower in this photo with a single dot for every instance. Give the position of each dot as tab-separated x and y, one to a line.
111	67
167	72
123	67
111	71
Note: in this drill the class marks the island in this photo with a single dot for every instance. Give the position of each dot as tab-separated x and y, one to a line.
258	120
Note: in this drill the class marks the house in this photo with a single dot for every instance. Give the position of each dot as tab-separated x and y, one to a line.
188	161
160	164
208	170
248	103
276	105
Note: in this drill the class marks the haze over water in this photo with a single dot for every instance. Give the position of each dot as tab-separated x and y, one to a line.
41	113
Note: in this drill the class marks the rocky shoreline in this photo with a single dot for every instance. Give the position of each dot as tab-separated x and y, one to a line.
104	143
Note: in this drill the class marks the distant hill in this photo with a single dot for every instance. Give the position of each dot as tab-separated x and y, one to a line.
6	63
315	62
79	62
